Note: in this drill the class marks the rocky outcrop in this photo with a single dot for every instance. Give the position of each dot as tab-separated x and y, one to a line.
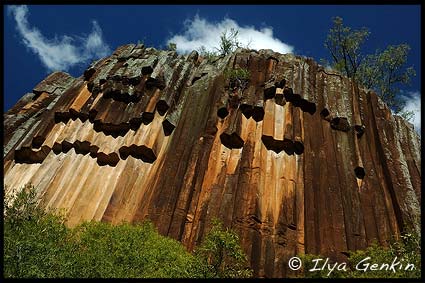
295	159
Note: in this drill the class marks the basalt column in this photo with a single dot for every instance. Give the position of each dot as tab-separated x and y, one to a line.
294	158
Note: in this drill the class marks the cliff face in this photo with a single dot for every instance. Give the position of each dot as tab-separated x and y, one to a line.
296	160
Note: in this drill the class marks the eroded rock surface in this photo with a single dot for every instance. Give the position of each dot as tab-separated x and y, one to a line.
295	159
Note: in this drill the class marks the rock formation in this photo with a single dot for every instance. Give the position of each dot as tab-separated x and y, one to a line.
295	159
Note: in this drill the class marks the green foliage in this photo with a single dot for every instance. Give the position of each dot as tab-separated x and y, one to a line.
172	46
38	244
344	45
34	241
238	73
360	262
383	71
210	56
238	78
221	256
129	251
23	206
229	42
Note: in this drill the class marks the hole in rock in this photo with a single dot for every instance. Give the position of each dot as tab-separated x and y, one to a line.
82	147
107	159
298	147
296	100
38	141
124	152
57	148
134	81
66	146
308	107
62	117
288	93
89	73
147	70
135	123
152	82
340	124
168	127
292	226
222	112
288	146
324	113
269	92
258	113
142	152
281	84
93	150
162	107
231	141
359	130
268	142
147	117
247	110
360	173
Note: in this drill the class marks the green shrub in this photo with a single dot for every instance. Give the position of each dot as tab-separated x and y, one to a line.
238	73
38	244
221	255
360	263
238	78
407	250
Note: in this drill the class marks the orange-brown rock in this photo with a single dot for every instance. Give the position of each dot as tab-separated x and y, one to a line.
297	160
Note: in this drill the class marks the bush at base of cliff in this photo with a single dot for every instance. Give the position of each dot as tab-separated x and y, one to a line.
373	262
38	244
221	256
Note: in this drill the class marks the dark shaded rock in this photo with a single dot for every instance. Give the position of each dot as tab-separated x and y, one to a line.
340	124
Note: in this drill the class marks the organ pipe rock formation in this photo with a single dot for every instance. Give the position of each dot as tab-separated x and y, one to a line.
295	159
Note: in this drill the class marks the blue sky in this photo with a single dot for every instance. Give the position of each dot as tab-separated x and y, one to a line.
41	38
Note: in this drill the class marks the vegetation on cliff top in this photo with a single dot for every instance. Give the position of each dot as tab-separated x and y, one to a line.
383	71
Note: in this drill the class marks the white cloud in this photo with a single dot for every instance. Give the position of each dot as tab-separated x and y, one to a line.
413	103
199	32
59	53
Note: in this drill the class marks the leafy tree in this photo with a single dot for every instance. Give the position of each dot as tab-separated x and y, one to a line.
229	42
344	45
39	244
221	255
383	71
33	239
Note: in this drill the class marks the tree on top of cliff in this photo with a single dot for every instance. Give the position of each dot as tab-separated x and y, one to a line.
229	42
382	71
344	45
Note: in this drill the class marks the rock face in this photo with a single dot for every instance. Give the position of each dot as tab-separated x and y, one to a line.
295	159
